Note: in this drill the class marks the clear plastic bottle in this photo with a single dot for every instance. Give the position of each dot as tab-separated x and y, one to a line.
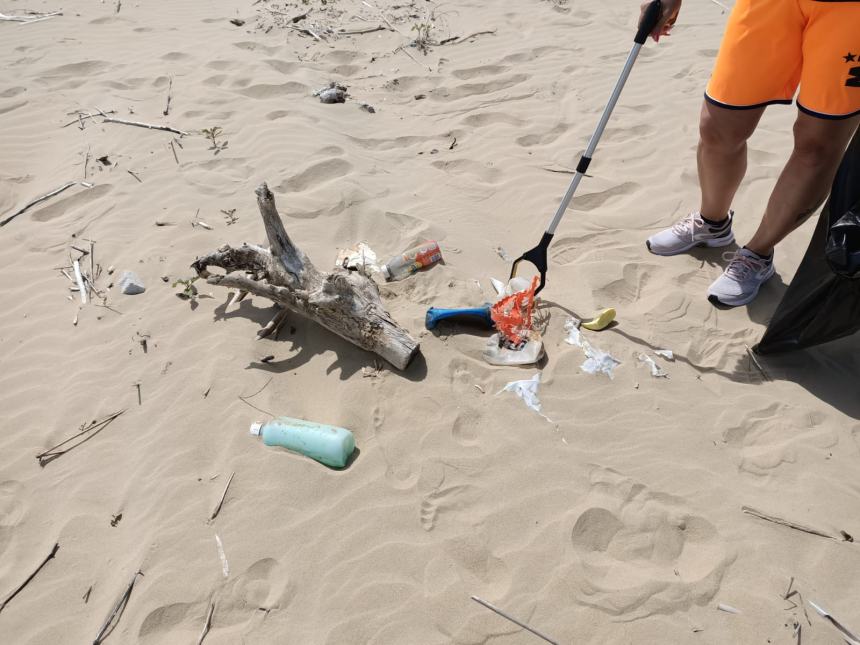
326	444
411	261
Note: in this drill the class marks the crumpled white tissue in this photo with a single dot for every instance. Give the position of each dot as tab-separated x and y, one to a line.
597	361
528	391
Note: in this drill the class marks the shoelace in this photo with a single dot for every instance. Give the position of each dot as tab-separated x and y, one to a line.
741	266
689	225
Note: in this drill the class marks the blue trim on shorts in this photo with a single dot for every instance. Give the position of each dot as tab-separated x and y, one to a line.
829	117
728	106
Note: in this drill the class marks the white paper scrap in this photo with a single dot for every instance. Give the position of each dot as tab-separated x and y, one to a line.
360	258
528	391
597	361
656	370
668	354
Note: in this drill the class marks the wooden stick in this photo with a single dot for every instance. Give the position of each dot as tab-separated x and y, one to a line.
403	49
456	40
847	635
148	126
117	611
38	200
305	30
513	620
91	430
41	18
382	15
167	107
273	324
221	501
207	624
757	364
30	577
25	19
791	525
355	32
174	153
134	175
80	280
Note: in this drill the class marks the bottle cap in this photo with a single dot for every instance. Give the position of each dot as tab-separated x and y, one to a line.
255	429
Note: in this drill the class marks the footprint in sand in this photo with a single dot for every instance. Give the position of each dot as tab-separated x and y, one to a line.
11	511
440	501
768	437
475	72
466	427
315	175
640	553
530	140
263	587
590	201
472	89
491	118
66	205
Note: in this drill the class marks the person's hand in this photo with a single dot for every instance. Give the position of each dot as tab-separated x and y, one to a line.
671	9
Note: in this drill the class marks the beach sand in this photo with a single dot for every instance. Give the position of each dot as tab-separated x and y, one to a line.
618	521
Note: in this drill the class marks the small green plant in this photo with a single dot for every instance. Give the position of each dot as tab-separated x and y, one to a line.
230	216
212	134
423	39
189	291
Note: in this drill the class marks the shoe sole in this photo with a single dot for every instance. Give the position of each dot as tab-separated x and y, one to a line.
712	244
714	300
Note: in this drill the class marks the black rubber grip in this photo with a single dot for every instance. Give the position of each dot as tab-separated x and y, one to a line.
582	166
649	21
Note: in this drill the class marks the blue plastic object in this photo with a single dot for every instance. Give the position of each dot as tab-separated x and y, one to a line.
479	315
326	444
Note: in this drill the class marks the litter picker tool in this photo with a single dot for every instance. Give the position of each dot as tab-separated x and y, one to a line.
538	255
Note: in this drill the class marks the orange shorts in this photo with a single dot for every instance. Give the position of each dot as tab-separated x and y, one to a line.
772	46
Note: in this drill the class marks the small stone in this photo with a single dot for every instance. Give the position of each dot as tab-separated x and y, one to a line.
367	107
130	283
164	278
237	21
110	270
333	93
418	97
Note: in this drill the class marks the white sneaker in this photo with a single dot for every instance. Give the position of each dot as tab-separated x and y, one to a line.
741	280
689	232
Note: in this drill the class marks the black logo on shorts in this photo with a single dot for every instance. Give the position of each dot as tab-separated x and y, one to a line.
854	72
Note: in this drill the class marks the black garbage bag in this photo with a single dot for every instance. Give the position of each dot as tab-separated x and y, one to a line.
822	303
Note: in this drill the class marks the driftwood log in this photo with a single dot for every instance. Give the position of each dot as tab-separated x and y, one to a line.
342	301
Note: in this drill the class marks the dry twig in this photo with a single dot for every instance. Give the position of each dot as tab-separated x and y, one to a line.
30	577
513	620
791	525
208	624
118	609
149	126
221	501
38	200
244	399
90	431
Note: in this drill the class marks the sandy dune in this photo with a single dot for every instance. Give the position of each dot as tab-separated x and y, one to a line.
617	522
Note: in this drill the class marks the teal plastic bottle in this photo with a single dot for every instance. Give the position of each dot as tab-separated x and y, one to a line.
326	444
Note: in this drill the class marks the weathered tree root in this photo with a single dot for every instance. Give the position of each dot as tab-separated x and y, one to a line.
344	302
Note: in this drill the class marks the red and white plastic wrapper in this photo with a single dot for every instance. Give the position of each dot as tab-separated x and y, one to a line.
513	315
